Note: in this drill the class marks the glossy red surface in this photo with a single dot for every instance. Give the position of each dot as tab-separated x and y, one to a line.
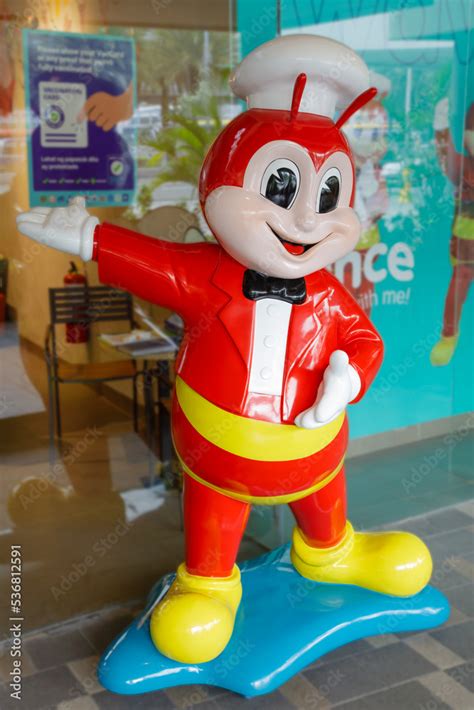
229	155
254	478
214	525
204	285
321	516
357	104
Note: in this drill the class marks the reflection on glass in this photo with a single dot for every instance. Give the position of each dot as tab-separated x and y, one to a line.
97	520
413	157
184	100
98	514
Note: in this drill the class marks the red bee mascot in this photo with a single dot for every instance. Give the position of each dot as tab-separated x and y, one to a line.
274	347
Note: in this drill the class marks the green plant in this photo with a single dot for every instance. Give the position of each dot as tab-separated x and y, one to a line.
173	62
142	205
181	147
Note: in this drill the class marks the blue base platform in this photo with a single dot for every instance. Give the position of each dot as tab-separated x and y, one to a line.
284	623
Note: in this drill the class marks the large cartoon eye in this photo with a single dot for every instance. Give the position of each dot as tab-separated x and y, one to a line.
280	182
328	193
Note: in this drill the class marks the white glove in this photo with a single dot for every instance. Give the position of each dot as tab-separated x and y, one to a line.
69	229
340	385
441	115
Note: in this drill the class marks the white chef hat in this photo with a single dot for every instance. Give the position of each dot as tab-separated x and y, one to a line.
335	74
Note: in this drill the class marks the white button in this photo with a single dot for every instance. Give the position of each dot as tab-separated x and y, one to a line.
272	309
269	341
265	373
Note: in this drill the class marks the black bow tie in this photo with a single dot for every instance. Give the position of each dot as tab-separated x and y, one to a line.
256	286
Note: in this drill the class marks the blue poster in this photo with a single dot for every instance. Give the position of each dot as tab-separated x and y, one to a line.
80	93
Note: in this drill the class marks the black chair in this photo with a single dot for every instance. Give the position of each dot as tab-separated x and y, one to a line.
82	306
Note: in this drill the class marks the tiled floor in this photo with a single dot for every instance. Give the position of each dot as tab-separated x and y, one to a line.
424	671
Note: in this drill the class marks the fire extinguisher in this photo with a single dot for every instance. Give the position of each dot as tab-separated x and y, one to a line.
77	332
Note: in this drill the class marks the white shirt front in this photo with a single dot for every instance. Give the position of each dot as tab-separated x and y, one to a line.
270	336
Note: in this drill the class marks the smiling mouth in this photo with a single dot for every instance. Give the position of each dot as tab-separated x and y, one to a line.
291	247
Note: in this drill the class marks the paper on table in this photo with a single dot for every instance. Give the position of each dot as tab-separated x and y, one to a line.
148	347
132	336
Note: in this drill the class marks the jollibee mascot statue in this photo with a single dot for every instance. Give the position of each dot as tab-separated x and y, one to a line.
274	350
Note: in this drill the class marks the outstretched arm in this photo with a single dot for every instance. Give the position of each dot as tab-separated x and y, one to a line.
170	275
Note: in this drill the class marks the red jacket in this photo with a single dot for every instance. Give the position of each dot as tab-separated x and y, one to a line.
204	285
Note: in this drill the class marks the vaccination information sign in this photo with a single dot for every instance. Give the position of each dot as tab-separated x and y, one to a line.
80	97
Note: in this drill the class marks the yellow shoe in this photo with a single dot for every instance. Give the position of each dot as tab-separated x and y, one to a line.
195	620
396	563
443	351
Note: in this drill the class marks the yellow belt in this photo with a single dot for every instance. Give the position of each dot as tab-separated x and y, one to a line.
265	500
252	438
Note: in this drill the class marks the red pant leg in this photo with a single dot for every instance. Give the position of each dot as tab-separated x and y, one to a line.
321	516
461	279
213	528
